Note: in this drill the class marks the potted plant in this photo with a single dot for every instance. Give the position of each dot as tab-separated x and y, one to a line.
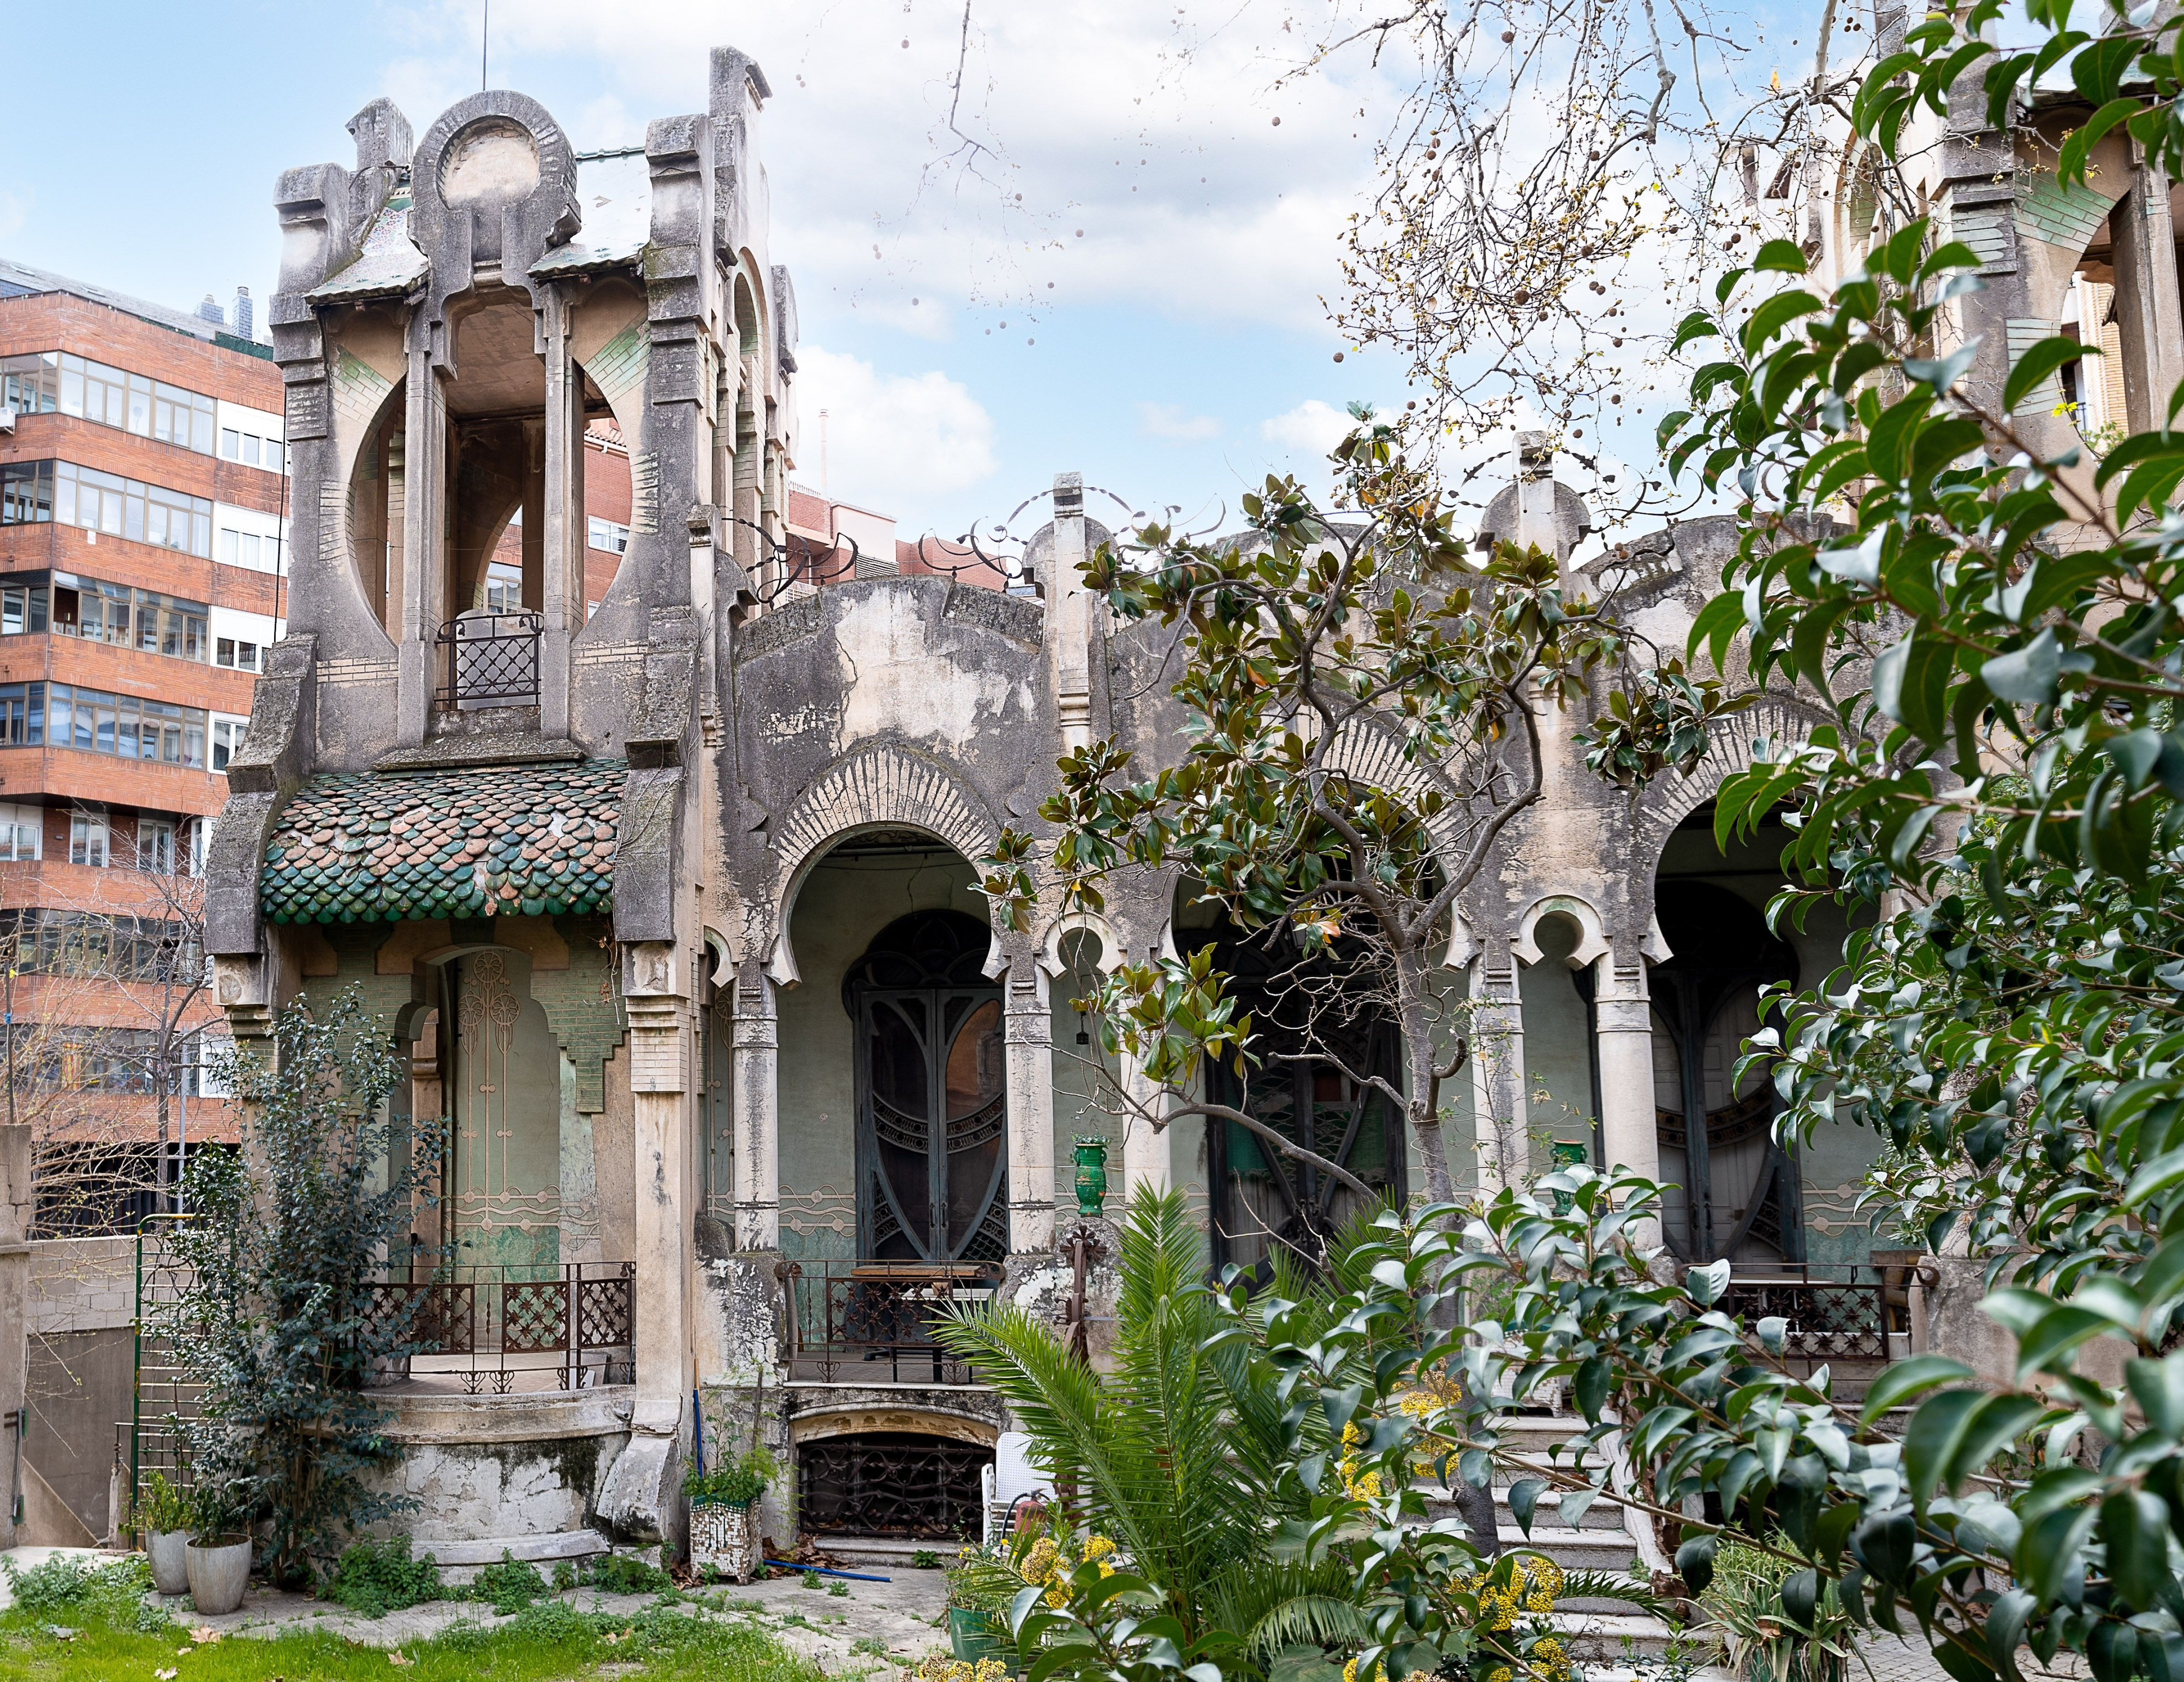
163	1514
217	1560
723	1516
982	1583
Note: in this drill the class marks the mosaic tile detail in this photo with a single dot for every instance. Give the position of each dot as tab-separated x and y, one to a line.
512	841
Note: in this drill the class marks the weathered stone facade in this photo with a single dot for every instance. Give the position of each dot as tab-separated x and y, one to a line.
648	913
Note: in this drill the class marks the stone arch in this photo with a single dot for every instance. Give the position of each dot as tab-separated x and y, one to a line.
1669	800
878	786
1100	928
820	1423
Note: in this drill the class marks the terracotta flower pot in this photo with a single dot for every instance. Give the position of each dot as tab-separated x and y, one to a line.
219	1572
171	1569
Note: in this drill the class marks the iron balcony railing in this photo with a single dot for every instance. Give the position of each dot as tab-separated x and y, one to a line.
872	1322
1829	1313
491	659
494	1330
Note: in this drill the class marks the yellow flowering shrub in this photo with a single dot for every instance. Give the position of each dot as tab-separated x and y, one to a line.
940	1667
1050	1563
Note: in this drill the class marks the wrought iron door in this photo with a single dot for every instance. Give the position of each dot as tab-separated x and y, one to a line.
932	1097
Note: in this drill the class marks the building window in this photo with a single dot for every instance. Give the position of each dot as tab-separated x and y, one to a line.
155	844
607	535
88	839
43	382
233	651
26	492
252	450
22	832
128	618
250	549
32	490
504	588
22	609
226	738
91	721
197	835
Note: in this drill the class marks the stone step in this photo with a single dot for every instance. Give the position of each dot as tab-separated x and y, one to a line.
1605	1637
1587	1550
1604	1514
881	1551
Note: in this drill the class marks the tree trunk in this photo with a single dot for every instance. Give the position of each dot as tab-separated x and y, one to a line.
1417	1029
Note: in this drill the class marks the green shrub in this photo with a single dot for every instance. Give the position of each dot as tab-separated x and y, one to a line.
511	1585
376	1578
925	1559
565	1576
626	1574
465	1637
735	1483
162	1506
1760	1640
555	1621
111	1593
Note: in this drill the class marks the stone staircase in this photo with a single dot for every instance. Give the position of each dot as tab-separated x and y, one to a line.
1599	1631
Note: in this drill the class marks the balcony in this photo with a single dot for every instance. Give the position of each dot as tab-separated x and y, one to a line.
513	1330
1830	1313
870	1323
491	659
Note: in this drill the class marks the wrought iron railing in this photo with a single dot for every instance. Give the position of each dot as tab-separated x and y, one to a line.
493	1330
491	661
872	1322
1830	1313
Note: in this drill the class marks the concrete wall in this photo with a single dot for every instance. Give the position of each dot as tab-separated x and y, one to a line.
82	1371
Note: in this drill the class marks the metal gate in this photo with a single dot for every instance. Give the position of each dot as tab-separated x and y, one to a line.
166	1398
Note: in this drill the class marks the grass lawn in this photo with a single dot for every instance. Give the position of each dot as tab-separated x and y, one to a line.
548	1643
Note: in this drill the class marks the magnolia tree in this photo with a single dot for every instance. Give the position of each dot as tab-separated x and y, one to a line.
2008	791
1364	702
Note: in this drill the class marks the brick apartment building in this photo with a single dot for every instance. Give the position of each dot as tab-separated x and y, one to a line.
142	525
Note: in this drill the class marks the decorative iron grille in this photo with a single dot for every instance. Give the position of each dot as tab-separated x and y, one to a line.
1827	1319
892	1483
492	661
485	1327
871	1321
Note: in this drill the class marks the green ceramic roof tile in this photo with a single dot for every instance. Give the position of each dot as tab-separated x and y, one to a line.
380	847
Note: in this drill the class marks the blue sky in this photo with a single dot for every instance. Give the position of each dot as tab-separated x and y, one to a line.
1179	353
1111	260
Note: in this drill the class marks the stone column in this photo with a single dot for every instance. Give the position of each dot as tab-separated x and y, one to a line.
562	594
757	1102
1623	1019
1147	1154
2149	325
1030	1031
424	538
1497	1076
1069	616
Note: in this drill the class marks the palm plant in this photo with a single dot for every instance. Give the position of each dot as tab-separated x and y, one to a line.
1148	1447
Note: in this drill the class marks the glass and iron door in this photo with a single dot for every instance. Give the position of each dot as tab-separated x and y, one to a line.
931	1098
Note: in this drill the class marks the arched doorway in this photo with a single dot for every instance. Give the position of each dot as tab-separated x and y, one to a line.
1322	1042
1733	1190
932	1099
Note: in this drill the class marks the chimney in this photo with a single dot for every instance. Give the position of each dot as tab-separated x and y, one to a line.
209	311
243	328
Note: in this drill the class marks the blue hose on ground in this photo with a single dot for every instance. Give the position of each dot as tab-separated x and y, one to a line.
829	1571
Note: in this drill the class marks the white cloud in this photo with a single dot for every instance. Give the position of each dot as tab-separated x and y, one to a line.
1313	427
893	441
1169	420
1134	152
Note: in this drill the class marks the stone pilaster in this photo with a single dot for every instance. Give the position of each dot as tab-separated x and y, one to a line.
1624	1025
1030	1038
757	1080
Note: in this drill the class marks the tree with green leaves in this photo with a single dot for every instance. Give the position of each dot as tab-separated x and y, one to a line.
278	1254
1364	699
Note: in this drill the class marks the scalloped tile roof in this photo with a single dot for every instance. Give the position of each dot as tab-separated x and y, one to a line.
373	847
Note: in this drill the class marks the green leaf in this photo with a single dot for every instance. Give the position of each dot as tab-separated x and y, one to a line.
2027	674
1590	1386
2005	1630
2036	364
1524	1496
2158	1387
1780	257
1772	316
2135	1526
2049	1548
2059	1331
1900	1380
1694	1562
1997	1421
1936	1429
